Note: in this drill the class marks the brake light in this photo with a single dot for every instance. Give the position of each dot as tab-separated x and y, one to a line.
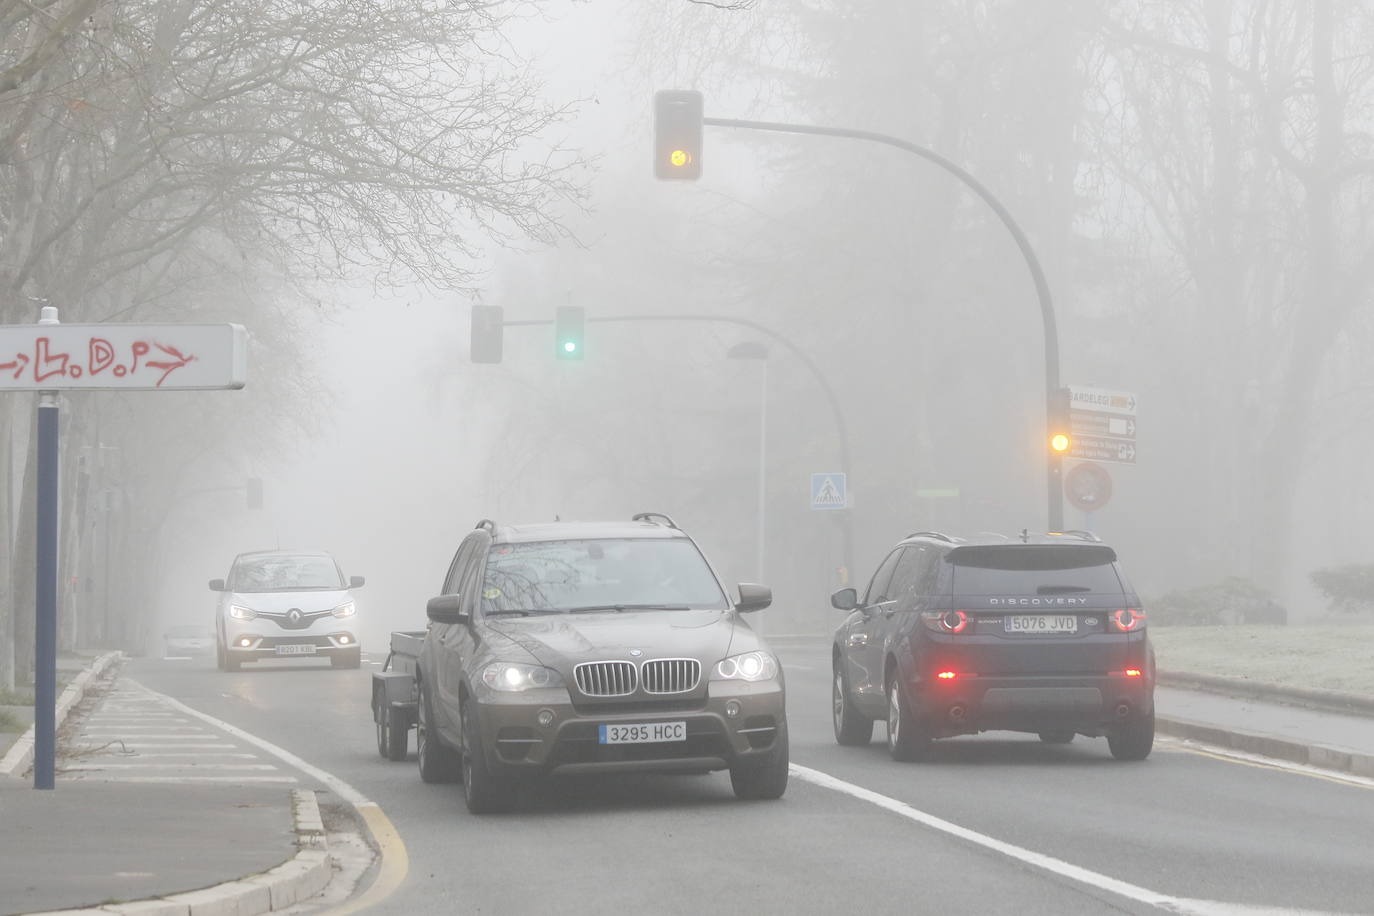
1127	620
947	675
1133	672
945	621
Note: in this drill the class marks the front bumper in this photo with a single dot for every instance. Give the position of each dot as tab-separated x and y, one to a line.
735	722
254	646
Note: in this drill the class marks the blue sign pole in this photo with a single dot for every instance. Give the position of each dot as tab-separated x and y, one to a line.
45	626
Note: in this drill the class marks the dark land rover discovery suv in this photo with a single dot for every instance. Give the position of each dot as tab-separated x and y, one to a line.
1040	633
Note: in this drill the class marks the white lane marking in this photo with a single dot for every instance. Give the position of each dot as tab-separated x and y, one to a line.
199	779
1274	763
161	747
169	766
337	785
181	732
1036	859
200	755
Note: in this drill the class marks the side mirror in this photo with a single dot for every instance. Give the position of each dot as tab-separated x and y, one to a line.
753	597
845	599
216	585
446	609
356	581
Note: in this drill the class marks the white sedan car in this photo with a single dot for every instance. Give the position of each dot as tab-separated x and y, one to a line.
286	604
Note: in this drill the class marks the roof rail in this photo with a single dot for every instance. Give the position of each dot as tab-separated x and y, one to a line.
654	517
930	534
1080	533
487	524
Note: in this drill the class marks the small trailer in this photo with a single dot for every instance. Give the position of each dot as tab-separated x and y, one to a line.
394	696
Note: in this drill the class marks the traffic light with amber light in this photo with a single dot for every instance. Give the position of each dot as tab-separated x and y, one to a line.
487	337
677	134
1060	430
568	335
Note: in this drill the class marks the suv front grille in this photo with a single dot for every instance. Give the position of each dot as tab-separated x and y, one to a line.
670	675
605	679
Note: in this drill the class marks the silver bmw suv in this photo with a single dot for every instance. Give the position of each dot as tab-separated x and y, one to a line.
286	604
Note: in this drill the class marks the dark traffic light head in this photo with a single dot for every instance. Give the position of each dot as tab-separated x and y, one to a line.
487	333
677	134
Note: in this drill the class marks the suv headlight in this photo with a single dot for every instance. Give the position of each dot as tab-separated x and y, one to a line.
513	677
345	610
751	666
238	612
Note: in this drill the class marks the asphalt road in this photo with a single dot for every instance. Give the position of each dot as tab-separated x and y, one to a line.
996	823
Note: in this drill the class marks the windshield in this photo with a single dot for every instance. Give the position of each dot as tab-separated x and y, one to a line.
286	573
1034	570
611	574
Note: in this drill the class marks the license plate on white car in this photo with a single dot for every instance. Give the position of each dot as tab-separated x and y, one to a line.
296	649
1041	623
651	733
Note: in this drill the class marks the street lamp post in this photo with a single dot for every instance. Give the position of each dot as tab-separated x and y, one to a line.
1054	461
755	350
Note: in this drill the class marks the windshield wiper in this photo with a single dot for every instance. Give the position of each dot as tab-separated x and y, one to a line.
523	612
628	607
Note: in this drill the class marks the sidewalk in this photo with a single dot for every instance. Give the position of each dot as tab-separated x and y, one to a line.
149	806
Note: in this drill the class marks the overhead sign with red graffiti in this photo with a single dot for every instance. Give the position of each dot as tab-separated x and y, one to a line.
54	357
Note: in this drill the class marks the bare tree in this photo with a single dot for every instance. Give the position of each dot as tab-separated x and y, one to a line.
170	145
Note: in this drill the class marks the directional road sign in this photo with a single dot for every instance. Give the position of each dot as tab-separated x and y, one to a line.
1102	422
1102	399
829	491
52	357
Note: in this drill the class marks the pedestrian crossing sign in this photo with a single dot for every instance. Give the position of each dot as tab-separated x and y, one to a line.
829	491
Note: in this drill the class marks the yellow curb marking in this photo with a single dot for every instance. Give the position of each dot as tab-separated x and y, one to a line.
395	861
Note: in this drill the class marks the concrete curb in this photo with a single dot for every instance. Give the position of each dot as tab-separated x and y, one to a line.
20	755
1310	697
1323	756
294	881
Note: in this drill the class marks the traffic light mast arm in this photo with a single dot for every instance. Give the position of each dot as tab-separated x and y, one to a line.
1042	288
791	347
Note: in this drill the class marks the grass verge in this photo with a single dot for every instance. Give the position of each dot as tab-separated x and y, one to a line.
1327	657
9	722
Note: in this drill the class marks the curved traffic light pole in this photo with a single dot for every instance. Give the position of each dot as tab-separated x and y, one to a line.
1054	460
848	533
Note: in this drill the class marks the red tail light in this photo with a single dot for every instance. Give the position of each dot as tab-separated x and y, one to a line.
947	675
945	621
1133	672
1128	620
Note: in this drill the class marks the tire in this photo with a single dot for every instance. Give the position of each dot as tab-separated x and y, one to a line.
349	658
484	791
438	763
766	781
1058	737
1135	739
219	656
228	662
908	739
852	729
393	733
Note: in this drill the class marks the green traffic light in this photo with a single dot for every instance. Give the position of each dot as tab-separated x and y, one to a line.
569	346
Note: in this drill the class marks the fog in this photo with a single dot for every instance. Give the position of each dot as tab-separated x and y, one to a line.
1193	177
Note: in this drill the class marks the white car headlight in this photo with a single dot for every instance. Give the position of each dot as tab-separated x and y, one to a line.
241	613
512	677
345	610
751	666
